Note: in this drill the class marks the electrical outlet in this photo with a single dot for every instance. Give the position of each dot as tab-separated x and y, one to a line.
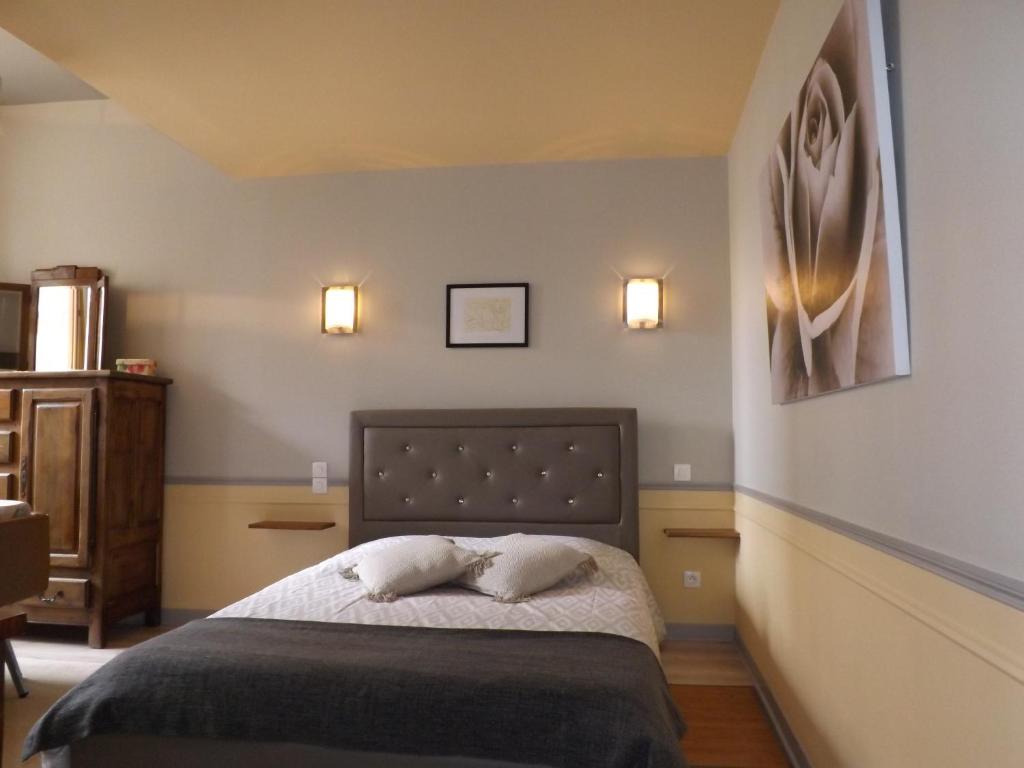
691	579
319	485
681	473
319	469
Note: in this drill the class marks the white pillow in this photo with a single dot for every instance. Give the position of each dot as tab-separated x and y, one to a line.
525	565
412	566
11	510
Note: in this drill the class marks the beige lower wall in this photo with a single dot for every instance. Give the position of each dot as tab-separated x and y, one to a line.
876	662
212	558
663	560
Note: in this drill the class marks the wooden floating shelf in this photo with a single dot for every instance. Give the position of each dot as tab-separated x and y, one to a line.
293	525
702	533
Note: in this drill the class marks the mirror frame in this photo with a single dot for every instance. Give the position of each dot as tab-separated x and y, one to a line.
88	277
26	308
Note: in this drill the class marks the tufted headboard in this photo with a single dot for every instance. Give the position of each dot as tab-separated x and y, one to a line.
565	471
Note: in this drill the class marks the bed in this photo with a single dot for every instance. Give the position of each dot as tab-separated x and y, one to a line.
308	672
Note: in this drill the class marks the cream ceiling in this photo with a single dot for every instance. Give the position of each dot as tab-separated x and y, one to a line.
279	87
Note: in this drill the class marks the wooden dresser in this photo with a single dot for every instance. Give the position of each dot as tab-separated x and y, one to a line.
87	448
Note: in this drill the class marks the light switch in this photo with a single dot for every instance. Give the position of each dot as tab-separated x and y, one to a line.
681	473
319	485
319	469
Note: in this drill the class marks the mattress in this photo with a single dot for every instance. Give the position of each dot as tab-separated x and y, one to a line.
561	699
616	600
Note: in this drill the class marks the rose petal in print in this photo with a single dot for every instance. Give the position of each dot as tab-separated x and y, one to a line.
813	178
844	337
826	319
838	246
811	187
844	327
841	50
804	225
801	315
824	85
868	246
818	124
773	236
789	377
875	337
824	378
814	126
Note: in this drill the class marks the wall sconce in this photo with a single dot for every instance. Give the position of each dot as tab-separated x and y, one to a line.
643	303
339	309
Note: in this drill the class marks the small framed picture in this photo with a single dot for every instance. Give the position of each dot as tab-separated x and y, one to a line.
488	315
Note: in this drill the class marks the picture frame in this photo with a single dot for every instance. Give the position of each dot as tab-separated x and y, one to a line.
833	257
487	315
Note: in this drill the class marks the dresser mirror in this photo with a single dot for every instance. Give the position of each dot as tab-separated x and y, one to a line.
15	301
66	327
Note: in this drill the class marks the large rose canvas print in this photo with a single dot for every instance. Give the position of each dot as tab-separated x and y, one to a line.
837	313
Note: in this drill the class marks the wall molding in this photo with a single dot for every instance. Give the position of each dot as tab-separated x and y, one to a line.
938	615
790	743
247	481
341	482
1004	589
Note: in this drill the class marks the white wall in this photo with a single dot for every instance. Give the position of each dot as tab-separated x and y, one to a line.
936	458
217	279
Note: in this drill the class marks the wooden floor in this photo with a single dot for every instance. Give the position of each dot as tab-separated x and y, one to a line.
727	728
726	725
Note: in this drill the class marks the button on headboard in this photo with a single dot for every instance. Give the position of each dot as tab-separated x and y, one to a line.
565	471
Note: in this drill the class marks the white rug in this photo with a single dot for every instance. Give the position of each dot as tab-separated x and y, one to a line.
51	668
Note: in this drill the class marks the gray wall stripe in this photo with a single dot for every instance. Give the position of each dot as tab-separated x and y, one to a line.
343	482
1005	589
790	743
246	481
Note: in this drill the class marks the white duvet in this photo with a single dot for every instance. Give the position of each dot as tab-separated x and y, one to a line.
616	600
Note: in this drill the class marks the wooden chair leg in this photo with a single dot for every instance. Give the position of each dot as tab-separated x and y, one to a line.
7	656
10	626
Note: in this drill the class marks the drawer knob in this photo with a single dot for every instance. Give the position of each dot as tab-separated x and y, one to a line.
50	599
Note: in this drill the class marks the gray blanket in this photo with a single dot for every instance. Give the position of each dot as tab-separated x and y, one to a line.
549	698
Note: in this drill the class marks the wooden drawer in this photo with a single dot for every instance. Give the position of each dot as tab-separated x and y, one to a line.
6	404
62	593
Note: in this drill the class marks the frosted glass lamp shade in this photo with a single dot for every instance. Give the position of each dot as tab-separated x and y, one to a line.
643	303
339	311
